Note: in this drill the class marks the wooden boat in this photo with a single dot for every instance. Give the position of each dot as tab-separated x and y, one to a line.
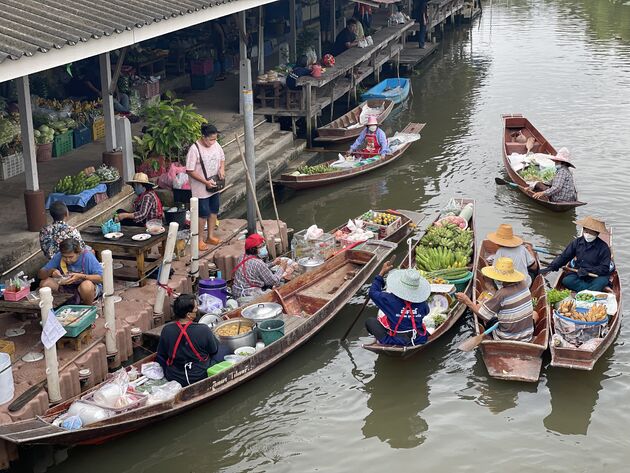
394	89
313	299
514	124
569	357
452	317
505	359
322	179
338	130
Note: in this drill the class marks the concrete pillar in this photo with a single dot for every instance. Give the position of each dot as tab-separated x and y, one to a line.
165	272
52	363
245	69
108	101
250	158
125	141
33	196
108	303
194	239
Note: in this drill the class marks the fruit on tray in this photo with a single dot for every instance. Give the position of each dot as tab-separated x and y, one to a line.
379	218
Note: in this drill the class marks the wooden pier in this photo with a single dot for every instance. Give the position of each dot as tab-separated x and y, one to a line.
412	55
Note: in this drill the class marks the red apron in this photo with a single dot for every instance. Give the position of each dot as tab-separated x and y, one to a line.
408	310
183	333
372	146
242	266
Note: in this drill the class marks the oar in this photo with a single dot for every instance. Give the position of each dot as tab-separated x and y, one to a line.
471	343
367	299
503	182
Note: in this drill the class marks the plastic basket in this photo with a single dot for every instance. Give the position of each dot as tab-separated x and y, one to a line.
149	89
82	136
63	143
460	284
114	187
17	296
201	82
44	152
271	330
98	129
78	326
202	67
11	166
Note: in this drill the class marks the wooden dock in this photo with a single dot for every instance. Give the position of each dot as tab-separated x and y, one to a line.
412	55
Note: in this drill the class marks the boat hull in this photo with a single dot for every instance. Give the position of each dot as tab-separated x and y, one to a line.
380	90
337	131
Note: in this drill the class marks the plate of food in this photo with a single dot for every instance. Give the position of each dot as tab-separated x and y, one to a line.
155	229
113	235
141	237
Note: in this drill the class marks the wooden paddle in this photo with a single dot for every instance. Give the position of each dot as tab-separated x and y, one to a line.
471	343
31	392
503	182
568	268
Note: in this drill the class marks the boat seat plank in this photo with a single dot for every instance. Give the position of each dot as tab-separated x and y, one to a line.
292	322
328	287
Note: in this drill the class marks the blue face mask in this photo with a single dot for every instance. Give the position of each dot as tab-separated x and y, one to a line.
263	252
138	189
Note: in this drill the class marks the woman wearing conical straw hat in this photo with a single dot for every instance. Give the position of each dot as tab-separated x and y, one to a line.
587	254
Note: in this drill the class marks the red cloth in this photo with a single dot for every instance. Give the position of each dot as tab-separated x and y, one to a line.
372	146
253	241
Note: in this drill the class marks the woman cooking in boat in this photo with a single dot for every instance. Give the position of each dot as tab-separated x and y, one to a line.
590	256
511	306
511	246
251	275
562	188
186	348
402	309
373	139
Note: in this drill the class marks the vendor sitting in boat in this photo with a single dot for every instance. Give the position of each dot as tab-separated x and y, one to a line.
590	259
147	205
511	306
562	188
186	348
373	139
251	275
511	246
74	270
401	309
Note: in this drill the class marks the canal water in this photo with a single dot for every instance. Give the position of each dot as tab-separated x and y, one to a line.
565	64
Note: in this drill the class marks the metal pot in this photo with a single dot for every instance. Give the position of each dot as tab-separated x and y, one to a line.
233	342
263	311
309	264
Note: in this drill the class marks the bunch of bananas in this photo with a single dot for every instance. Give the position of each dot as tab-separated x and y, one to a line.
73	185
431	259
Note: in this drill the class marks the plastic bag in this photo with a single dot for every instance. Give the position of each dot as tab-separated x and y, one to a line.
313	233
165	392
452	208
174	178
88	413
113	393
208	304
152	370
72	423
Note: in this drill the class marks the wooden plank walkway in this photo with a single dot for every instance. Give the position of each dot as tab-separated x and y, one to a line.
412	55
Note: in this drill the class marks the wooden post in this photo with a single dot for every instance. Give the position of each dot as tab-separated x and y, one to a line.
165	272
261	41
108	302
194	239
108	101
309	116
292	32
52	364
333	18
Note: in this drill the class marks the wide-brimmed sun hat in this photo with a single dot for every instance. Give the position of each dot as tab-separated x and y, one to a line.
563	156
592	224
141	178
408	285
504	236
503	270
372	120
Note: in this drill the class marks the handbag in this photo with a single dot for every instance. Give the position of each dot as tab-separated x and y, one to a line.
220	183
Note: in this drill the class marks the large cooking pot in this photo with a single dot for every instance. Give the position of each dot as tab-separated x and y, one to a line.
309	264
262	311
247	339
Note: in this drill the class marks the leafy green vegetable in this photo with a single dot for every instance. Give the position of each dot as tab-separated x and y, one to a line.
554	296
318	169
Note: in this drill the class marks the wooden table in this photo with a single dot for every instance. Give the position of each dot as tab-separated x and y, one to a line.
127	249
25	306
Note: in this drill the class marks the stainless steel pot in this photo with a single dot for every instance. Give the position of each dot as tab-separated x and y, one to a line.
233	342
262	311
309	264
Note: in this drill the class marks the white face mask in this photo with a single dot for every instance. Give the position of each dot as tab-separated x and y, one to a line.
372	128
558	166
589	237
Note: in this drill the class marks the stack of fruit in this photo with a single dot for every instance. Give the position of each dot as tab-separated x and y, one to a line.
43	135
379	218
73	185
445	247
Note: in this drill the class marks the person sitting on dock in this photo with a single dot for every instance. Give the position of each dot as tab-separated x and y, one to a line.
347	38
186	348
401	309
147	205
590	259
562	188
251	276
373	138
511	246
511	306
51	235
301	69
74	270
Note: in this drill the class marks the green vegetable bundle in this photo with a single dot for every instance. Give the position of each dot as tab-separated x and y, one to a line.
554	295
318	169
107	173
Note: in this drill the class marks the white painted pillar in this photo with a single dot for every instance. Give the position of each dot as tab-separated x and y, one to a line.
108	101
124	140
52	364
26	128
245	67
165	270
261	40
194	238
292	32
108	302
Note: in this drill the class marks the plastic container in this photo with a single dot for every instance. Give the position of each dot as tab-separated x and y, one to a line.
17	296
271	330
7	387
216	287
319	249
82	136
63	143
98	129
460	284
179	216
201	67
114	187
78	326
12	165
44	152
216	369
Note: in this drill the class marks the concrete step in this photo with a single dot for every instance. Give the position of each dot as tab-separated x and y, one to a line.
261	133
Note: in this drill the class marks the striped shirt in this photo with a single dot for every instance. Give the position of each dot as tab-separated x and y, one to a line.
512	305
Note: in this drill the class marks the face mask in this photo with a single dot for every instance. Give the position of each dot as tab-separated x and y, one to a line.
138	189
263	252
372	128
558	166
589	237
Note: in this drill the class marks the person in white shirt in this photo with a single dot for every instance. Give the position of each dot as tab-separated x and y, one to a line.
511	246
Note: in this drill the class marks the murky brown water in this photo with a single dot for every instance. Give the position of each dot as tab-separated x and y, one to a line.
565	64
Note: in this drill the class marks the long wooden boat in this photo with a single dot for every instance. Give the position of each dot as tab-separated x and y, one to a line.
312	299
513	124
338	130
395	89
322	179
569	357
453	315
507	359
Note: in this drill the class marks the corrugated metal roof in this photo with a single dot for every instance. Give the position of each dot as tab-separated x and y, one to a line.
31	26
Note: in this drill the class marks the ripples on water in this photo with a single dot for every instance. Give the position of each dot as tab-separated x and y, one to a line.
330	407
